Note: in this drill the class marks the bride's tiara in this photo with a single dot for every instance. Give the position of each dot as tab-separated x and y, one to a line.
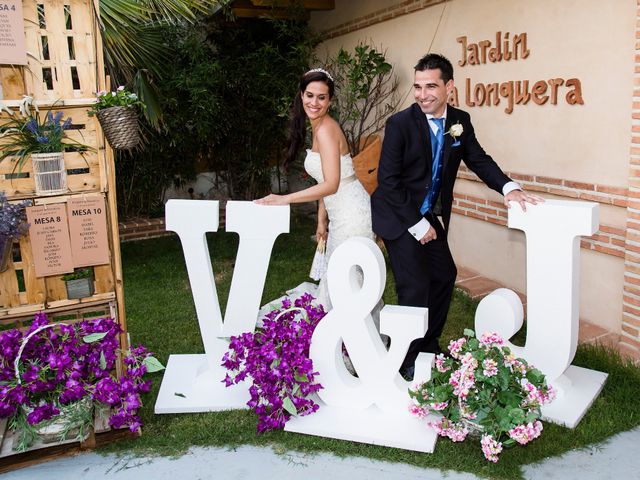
320	70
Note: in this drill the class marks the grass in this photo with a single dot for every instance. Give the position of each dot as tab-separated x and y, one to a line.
161	315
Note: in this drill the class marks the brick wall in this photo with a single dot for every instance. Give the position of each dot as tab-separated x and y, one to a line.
610	240
630	335
141	229
379	16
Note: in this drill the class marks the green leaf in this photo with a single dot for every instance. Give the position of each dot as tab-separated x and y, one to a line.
152	364
535	376
301	378
94	337
467	332
103	361
509	399
288	405
517	415
275	363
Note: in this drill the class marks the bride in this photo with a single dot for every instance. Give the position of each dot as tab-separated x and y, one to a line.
344	208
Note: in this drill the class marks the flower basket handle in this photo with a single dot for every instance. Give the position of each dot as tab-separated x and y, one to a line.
25	340
293	309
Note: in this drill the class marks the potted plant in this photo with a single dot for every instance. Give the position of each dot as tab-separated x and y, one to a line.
483	390
117	114
79	283
53	376
44	140
13	225
366	94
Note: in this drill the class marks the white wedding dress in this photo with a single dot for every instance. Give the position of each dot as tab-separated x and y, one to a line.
349	211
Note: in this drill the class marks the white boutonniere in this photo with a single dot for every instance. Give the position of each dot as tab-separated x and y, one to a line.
455	131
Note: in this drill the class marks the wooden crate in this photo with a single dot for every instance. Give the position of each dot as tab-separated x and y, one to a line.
63	62
22	292
40	452
86	171
101	432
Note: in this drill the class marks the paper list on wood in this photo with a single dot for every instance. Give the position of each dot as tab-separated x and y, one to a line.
12	41
88	230
50	245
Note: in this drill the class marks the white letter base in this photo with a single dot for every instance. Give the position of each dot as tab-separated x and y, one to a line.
371	425
191	375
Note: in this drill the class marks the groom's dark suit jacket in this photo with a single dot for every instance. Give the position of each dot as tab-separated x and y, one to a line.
404	174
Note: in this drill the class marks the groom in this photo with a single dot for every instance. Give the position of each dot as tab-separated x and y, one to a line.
411	208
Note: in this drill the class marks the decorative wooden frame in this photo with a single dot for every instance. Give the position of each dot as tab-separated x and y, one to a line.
63	41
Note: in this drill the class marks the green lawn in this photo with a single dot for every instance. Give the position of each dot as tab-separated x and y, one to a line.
161	315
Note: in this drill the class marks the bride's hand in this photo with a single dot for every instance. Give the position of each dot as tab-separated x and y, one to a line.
273	199
321	232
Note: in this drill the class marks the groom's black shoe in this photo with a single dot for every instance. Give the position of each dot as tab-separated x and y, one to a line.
408	372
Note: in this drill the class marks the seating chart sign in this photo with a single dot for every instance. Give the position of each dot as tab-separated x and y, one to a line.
88	230
12	44
50	243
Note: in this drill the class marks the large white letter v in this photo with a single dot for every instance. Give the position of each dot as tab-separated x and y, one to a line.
192	382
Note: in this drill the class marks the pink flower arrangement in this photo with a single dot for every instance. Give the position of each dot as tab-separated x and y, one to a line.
482	388
491	448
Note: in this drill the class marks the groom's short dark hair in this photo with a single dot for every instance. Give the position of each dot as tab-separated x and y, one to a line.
432	61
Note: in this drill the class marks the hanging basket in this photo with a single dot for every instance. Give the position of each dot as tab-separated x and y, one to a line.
6	248
49	172
120	126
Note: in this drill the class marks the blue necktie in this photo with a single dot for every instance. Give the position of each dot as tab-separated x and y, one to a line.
437	144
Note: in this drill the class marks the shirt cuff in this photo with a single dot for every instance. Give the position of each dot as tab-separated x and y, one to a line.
420	229
510	187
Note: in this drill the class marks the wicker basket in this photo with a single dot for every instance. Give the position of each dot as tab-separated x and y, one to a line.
120	126
49	172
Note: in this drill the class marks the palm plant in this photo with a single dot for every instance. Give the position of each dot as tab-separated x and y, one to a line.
134	46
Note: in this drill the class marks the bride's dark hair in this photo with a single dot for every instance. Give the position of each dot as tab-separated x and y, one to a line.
297	116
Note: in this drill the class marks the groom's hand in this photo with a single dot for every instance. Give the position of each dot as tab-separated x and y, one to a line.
522	198
430	235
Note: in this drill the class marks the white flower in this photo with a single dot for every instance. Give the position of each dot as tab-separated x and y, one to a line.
456	130
26	104
120	88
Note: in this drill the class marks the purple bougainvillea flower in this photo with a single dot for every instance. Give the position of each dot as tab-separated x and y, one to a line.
276	360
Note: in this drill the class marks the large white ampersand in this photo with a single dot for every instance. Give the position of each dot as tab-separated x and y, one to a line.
350	321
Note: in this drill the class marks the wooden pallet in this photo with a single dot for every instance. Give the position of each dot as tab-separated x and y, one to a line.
22	292
65	70
63	62
86	172
39	452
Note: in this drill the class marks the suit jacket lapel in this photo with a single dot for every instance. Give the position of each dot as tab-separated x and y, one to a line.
452	118
425	136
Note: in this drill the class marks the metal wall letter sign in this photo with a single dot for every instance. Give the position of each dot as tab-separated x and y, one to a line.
192	383
552	232
371	408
